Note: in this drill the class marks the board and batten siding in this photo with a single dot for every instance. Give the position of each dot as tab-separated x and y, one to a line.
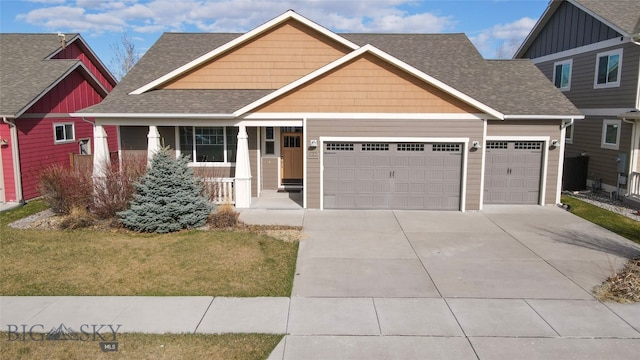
568	28
73	51
269	61
396	128
550	128
367	84
587	139
582	93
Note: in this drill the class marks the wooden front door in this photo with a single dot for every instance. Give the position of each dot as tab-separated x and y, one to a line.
291	154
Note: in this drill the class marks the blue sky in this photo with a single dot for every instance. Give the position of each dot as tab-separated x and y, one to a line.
496	27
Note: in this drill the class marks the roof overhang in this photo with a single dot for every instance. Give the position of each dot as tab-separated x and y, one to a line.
543	117
383	56
289	15
154	115
631	115
103	69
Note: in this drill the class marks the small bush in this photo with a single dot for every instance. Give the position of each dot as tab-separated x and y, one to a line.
114	193
168	198
225	217
78	218
64	189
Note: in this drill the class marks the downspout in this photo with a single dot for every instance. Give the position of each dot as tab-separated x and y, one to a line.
563	142
17	175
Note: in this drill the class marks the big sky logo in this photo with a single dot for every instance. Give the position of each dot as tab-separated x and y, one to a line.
105	333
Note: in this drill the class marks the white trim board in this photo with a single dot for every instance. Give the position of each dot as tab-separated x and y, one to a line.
615	42
365	116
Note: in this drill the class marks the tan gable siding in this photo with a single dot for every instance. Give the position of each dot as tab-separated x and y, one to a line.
368	85
396	128
549	128
269	61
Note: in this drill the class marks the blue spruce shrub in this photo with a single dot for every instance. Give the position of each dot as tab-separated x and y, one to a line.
168	198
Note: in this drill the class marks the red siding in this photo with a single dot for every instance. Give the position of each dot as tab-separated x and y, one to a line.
36	136
71	94
7	164
73	51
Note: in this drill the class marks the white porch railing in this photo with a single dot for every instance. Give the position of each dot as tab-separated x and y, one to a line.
634	185
220	190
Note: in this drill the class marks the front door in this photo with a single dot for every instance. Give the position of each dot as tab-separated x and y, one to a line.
291	156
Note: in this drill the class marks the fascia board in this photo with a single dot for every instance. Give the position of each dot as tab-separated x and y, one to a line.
240	40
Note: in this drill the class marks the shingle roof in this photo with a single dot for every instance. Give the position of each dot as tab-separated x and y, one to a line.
624	14
512	87
24	71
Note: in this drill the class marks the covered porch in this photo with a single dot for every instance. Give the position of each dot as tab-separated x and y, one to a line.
250	164
632	196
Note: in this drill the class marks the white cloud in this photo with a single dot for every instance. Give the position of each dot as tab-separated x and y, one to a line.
230	15
504	39
47	1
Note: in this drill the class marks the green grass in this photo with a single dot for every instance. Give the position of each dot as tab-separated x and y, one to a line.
147	346
609	220
116	262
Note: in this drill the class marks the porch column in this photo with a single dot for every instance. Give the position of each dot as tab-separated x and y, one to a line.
153	143
100	152
243	170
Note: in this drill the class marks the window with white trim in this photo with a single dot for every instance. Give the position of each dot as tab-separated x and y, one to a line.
64	133
608	67
208	144
611	134
568	134
562	74
269	141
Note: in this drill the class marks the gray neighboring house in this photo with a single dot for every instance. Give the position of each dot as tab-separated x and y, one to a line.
354	121
590	50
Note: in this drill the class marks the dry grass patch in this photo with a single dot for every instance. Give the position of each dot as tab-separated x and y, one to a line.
117	262
148	346
623	286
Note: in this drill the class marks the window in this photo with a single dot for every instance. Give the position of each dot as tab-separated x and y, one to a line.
562	75
611	134
568	134
208	144
269	141
608	66
63	133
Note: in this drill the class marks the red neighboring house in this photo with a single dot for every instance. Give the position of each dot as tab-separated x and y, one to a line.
43	78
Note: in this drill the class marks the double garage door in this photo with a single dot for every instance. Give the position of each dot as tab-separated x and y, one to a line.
392	175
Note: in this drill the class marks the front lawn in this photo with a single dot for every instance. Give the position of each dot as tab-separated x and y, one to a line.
609	220
147	346
115	262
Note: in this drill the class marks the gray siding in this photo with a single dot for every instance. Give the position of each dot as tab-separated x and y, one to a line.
568	28
252	132
587	137
270	173
582	93
397	128
549	128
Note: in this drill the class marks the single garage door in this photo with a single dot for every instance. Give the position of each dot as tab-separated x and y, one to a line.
392	176
512	172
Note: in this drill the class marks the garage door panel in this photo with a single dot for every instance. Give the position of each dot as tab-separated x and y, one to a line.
397	176
512	172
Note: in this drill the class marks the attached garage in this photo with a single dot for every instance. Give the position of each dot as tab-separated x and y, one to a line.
513	172
382	175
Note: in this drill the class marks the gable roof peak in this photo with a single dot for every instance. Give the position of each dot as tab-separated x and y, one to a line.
271	24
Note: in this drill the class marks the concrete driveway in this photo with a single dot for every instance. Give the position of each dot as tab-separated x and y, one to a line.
507	282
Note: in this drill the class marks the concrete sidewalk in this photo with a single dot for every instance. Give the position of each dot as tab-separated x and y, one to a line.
362	328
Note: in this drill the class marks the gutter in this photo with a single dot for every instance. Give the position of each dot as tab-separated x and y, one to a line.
17	175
